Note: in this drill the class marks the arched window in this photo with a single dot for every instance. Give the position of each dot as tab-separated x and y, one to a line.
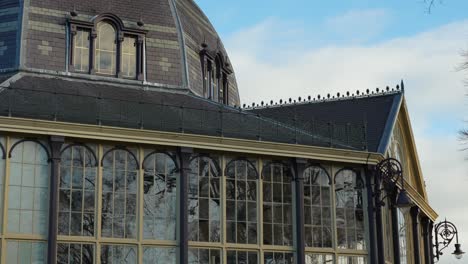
204	206
241	202
349	189
77	191
119	193
106	49
277	205
317	208
28	201
159	197
402	236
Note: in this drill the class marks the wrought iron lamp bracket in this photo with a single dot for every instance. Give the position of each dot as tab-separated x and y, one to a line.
447	232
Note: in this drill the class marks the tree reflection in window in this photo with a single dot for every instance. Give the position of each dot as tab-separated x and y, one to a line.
244	257
277	205
159	255
28	201
204	207
121	254
317	207
119	193
106	49
75	253
160	197
241	202
204	256
351	260
278	258
349	189
316	258
77	191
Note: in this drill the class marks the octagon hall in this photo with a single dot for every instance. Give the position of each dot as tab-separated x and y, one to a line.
123	140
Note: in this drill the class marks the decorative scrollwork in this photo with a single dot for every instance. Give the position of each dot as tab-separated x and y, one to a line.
446	231
390	170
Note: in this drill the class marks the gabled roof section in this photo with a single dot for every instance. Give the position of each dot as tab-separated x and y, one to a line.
376	112
65	99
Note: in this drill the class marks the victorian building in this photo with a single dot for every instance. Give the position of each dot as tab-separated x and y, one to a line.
124	140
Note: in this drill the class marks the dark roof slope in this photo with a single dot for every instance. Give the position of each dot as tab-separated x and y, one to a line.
374	111
71	100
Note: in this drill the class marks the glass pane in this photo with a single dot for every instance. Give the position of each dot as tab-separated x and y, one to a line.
120	171
105	49
129	50
351	260
242	257
122	254
277	207
204	209
159	197
81	51
349	190
204	256
29	192
312	258
278	258
77	191
155	255
75	253
26	252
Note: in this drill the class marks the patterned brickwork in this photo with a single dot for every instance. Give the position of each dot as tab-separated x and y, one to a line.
9	30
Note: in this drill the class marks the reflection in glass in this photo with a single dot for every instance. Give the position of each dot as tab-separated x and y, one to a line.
277	205
402	230
204	256
278	258
313	258
105	49
75	253
157	255
28	189
317	208
26	252
121	254
242	257
129	57
351	260
2	180
77	187
241	202
204	208
160	197
349	210
119	194
81	50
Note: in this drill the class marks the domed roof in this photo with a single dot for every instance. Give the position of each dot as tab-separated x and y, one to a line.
176	33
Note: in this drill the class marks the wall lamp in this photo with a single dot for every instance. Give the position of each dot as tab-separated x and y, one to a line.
390	172
446	231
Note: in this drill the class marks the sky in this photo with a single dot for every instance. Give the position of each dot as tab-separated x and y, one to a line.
281	49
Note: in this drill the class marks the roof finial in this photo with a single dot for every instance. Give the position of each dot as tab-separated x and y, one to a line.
402	85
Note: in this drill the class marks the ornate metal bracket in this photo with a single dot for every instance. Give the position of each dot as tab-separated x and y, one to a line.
446	231
390	172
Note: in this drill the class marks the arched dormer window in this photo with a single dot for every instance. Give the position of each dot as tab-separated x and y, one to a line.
106	47
215	75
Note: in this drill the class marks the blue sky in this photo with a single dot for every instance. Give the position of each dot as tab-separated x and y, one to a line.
282	49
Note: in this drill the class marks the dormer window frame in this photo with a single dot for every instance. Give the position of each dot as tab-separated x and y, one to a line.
122	33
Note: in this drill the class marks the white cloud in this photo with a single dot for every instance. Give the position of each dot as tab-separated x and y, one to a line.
426	61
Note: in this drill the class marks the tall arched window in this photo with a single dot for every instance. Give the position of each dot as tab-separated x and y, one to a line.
204	206
277	205
77	191
106	49
241	202
119	193
28	201
317	208
349	189
402	236
159	197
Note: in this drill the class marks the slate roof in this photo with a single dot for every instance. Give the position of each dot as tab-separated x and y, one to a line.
376	111
97	103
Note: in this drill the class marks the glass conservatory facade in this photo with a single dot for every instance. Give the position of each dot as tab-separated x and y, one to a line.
125	204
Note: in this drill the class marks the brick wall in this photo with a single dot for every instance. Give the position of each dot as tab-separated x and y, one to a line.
9	30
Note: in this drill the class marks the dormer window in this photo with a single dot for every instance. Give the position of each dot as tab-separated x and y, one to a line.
215	77
106	47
